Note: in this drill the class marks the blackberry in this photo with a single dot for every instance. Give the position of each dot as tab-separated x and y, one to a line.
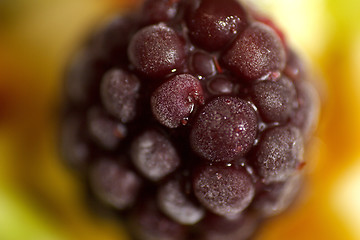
255	53
173	200
225	190
156	50
114	183
189	119
225	129
174	101
154	155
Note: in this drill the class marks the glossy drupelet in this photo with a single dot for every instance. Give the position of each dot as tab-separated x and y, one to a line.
190	118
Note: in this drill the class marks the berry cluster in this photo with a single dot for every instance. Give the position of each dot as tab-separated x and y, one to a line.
190	118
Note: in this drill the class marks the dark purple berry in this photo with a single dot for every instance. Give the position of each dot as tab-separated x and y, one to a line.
275	100
202	64
277	197
306	115
119	94
294	68
111	42
83	78
209	109
255	53
176	204
269	22
155	11
154	155
114	183
174	101
220	85
74	146
224	129
224	190
156	51
239	227
213	24
149	223
105	131
279	153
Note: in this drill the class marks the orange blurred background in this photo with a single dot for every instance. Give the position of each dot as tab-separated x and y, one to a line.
41	199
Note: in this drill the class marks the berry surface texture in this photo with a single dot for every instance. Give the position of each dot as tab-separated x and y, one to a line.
189	119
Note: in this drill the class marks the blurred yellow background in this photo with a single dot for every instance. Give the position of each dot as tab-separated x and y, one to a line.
40	199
